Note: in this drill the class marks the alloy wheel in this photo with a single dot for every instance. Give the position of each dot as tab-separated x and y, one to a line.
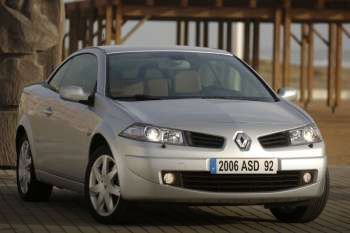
24	167
104	186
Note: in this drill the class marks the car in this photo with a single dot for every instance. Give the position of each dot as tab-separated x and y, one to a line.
188	125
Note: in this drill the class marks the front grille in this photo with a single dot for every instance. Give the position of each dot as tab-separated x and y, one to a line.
204	140
275	140
204	181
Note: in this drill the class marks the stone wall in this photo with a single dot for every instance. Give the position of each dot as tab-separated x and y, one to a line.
31	33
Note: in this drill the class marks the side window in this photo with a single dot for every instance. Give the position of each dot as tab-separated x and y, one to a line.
82	72
56	80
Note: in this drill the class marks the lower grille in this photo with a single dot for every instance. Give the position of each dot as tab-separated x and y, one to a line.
205	181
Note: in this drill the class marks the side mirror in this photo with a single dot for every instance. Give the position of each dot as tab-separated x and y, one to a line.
74	94
288	94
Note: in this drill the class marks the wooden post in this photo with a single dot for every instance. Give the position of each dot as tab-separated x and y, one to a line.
99	31
338	66
221	35
178	32
286	48
184	25
186	35
331	62
310	65
118	24
229	37
73	33
109	24
206	34
256	47
90	32
246	53
198	33
276	71
303	61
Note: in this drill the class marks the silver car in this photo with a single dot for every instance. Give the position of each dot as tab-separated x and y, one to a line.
179	124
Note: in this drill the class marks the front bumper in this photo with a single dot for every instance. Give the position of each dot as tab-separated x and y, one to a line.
141	164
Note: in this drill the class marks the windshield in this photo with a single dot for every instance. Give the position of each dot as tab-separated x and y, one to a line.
171	75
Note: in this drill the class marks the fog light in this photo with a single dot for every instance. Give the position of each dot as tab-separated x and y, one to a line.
307	177
169	178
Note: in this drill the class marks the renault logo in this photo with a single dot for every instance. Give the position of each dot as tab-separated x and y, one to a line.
242	140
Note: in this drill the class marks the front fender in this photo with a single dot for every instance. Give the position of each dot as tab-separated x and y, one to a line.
25	123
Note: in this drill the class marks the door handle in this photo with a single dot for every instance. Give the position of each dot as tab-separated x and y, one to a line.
48	111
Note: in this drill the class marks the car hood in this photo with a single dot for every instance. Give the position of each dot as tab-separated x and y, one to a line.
190	112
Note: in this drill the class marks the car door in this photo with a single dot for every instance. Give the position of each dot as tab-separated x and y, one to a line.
43	121
72	123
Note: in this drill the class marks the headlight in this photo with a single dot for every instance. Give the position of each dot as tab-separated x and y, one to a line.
153	134
305	135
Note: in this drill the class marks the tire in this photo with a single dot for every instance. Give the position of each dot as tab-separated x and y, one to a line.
303	213
29	188
104	187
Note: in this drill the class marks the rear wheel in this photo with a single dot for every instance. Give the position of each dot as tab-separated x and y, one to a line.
102	189
303	213
29	188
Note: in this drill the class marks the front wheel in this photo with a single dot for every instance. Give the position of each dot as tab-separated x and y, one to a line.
29	188
303	213
102	189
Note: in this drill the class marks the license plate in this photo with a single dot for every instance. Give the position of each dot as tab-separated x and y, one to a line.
243	166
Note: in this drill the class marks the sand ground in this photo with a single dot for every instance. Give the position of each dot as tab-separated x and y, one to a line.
335	128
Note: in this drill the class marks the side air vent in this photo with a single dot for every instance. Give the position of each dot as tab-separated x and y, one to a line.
204	140
275	140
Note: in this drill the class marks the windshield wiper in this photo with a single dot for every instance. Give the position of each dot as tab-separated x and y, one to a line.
236	98
218	97
137	97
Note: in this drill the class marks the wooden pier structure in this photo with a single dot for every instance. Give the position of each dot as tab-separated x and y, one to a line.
97	22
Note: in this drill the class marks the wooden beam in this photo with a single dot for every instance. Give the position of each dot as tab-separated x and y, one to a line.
320	4
184	3
134	29
246	52
150	2
310	65
295	38
347	33
219	3
276	71
118	24
193	13
109	24
320	15
256	47
286	47
162	12
331	62
322	38
287	4
338	66
252	3
303	62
